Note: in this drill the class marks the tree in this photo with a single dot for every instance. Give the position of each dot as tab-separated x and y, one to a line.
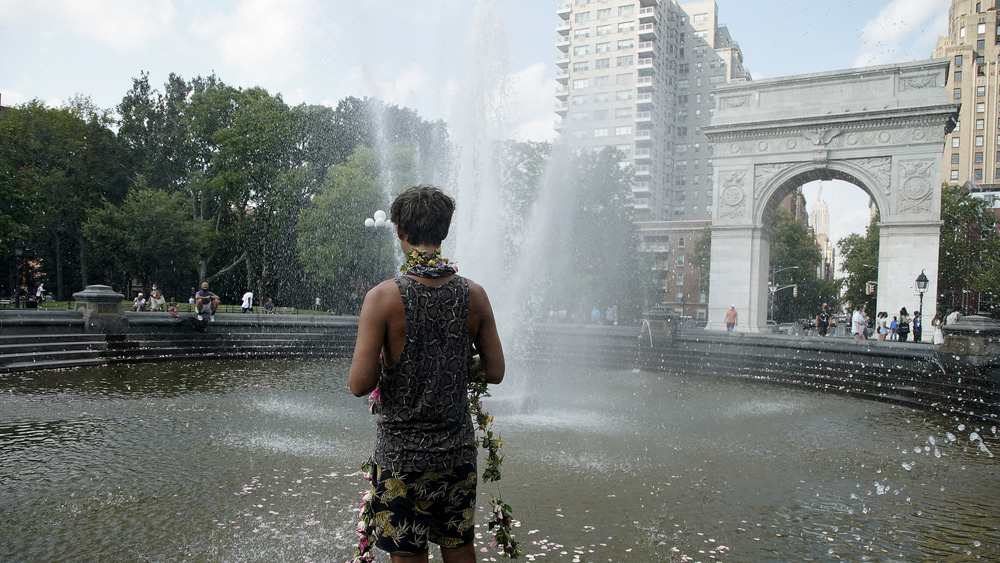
859	262
969	258
332	243
150	237
793	247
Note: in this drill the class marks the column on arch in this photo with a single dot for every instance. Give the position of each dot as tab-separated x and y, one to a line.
739	277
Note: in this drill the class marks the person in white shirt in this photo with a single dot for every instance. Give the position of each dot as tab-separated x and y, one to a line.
859	322
248	302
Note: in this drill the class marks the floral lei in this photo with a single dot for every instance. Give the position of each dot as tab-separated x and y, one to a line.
425	264
500	516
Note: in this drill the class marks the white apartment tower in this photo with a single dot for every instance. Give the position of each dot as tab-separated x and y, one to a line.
638	75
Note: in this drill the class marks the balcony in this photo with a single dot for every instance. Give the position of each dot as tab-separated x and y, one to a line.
558	125
644	101
562	60
562	92
562	108
562	43
644	83
648	15
644	117
640	204
642	170
644	135
642	155
647	32
641	190
562	75
646	49
564	11
563	27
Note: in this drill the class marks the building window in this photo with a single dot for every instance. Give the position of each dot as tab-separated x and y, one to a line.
980	124
581	33
581	17
606	30
680	259
602	97
954	175
958	77
623	112
980	44
977	174
979	140
978	158
580	67
680	240
622	95
604	13
954	158
981	28
957	94
958	60
578	116
601	80
580	134
626	27
625	61
717	79
626	10
981	107
603	47
581	50
602	63
954	142
683	83
680	278
601	132
600	114
961	31
626	44
623	130
579	100
623	78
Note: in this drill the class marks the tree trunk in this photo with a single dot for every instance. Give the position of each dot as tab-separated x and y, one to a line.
60	290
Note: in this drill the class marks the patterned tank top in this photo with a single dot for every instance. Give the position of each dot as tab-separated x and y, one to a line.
425	422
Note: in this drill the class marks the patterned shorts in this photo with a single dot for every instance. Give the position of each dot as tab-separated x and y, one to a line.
412	508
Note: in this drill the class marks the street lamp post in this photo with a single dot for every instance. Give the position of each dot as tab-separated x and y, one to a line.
378	224
775	288
922	282
18	255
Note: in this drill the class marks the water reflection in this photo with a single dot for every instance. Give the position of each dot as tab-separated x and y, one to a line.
256	461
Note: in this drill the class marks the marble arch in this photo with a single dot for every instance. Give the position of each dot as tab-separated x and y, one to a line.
880	128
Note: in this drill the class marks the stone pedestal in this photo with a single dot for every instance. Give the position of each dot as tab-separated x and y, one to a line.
101	308
973	342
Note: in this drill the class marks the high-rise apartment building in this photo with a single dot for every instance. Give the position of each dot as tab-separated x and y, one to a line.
972	45
638	75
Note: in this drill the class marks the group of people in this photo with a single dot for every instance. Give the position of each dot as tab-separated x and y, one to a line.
898	329
204	302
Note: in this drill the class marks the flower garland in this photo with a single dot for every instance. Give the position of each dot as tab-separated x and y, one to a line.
425	264
501	520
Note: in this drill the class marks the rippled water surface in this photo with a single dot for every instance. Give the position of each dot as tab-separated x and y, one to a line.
257	461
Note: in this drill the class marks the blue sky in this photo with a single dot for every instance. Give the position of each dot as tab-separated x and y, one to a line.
412	53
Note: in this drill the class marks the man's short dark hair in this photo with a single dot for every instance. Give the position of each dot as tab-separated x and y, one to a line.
423	213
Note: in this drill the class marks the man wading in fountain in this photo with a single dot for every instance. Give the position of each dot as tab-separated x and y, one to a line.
414	338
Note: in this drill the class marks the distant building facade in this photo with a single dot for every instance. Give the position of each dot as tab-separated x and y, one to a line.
973	48
638	76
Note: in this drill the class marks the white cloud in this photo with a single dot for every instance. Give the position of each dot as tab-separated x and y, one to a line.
399	90
902	30
531	104
120	25
263	41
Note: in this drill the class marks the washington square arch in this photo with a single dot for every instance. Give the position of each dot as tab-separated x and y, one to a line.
880	128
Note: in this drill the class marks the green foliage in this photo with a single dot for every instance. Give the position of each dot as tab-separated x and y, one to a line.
969	256
859	262
151	236
333	244
792	246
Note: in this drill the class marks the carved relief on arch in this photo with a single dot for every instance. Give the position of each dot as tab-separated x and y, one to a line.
732	194
765	173
916	187
880	170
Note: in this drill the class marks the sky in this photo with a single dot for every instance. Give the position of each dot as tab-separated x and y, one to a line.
419	54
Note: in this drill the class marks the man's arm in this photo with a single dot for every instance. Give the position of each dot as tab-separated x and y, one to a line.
485	334
372	323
